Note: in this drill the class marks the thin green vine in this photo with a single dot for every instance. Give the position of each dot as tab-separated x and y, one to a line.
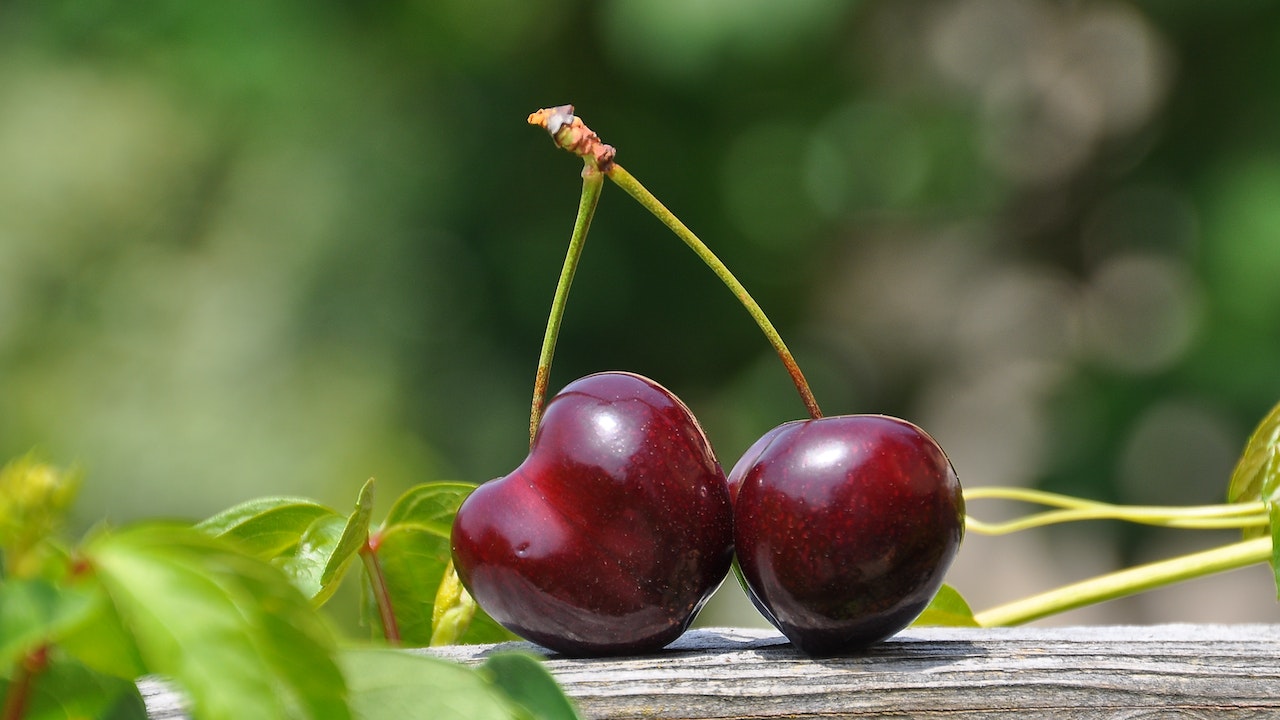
1126	582
1073	509
1242	516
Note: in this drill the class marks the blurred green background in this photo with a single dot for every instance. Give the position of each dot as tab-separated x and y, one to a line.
278	247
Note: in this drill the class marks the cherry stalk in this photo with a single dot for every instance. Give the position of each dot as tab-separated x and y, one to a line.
571	134
592	182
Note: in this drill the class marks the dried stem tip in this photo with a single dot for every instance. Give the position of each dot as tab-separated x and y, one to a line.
571	134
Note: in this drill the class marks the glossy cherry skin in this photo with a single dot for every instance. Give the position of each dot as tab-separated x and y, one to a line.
612	533
844	528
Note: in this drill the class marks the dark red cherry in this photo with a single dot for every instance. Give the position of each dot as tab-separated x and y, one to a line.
612	533
844	528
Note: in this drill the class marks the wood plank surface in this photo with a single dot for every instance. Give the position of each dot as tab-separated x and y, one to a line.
1130	672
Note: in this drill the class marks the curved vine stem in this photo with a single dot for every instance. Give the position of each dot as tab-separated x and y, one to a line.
1129	581
1073	509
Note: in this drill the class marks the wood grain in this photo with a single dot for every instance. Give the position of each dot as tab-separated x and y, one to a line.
1131	672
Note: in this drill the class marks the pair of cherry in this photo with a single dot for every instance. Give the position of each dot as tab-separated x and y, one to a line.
619	525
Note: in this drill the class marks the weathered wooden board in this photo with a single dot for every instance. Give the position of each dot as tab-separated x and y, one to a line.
1160	671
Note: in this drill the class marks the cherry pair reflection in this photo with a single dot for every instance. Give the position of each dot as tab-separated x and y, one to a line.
620	524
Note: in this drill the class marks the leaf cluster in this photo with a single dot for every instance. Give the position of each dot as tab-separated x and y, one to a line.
228	610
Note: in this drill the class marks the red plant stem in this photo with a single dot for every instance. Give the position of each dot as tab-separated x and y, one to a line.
541	379
381	596
15	702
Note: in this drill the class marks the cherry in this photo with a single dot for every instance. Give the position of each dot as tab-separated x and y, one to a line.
845	525
612	533
844	528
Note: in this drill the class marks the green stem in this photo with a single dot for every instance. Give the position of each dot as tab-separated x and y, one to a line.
1057	517
381	595
1072	509
592	182
627	182
1128	582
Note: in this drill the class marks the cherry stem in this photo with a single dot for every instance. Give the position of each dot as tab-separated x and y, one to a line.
592	182
1128	582
629	183
381	595
569	133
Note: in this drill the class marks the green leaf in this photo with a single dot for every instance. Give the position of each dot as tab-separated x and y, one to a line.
453	609
267	527
312	544
1256	476
227	627
414	552
397	685
947	609
527	683
102	643
412	564
354	536
306	567
34	612
430	506
68	690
